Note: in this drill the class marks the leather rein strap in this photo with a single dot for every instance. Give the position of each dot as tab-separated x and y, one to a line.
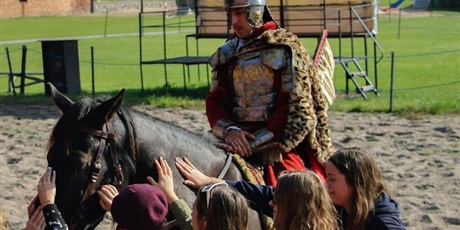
107	136
228	161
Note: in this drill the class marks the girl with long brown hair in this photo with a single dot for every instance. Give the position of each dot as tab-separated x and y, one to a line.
360	193
299	201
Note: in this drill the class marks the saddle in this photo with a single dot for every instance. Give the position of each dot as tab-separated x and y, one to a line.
253	173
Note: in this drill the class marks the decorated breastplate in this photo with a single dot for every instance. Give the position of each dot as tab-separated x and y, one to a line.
253	82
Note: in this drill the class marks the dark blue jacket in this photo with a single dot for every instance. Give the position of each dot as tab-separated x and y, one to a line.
258	195
385	216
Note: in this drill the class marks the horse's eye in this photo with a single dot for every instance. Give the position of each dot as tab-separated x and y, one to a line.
81	158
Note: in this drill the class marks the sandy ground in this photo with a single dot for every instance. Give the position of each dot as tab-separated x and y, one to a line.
419	158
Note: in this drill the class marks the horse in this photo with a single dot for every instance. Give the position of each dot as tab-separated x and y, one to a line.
98	141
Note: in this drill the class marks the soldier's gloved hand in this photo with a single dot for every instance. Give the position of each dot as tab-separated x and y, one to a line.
238	141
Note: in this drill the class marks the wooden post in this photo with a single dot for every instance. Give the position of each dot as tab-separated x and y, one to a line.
23	69
392	80
11	74
92	70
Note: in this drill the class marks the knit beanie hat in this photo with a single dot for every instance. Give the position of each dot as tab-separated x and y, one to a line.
140	206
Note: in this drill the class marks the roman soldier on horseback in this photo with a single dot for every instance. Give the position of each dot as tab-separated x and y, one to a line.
266	101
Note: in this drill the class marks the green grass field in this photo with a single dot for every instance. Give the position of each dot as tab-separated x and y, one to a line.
427	58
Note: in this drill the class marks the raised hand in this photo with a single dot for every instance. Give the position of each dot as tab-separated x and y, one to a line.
194	177
106	195
165	180
47	187
31	208
36	219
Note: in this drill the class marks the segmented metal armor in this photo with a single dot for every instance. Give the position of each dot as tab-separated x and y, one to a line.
253	76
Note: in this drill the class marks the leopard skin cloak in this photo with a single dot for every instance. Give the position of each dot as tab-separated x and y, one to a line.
307	119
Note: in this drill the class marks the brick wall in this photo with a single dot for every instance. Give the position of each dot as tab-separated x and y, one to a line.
30	8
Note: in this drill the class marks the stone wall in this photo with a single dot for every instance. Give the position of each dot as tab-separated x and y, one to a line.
131	6
31	8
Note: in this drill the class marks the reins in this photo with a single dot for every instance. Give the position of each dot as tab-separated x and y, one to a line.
224	170
107	137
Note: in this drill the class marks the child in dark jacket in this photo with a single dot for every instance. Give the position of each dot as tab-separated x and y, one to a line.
299	201
360	193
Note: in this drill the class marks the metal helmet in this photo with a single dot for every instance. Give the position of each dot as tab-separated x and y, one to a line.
254	10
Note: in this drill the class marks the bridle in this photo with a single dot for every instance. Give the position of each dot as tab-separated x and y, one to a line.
107	137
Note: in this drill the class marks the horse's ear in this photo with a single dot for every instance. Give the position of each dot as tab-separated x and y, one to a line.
105	111
61	100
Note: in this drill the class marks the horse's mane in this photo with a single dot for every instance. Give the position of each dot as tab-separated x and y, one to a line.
199	139
126	115
68	122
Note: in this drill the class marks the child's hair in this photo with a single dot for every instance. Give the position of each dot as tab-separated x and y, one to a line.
361	172
303	203
227	209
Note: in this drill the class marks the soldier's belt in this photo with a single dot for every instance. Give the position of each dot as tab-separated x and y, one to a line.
262	100
260	113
